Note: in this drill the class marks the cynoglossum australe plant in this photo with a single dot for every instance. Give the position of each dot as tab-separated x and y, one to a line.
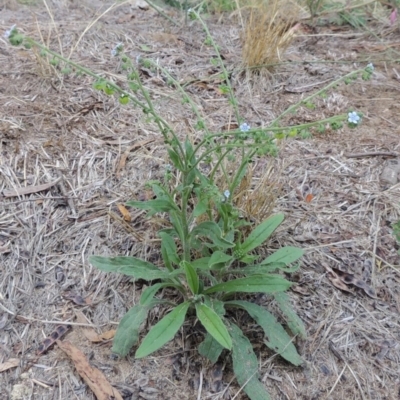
209	254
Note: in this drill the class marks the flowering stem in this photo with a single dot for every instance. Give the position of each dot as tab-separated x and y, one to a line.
295	106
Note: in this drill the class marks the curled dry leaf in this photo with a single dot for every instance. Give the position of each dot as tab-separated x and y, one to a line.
93	377
10	363
90	333
125	213
59	332
351	279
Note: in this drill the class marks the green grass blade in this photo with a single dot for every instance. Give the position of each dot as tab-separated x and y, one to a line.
278	339
252	284
210	349
294	322
245	365
128	330
214	325
130	266
261	233
163	331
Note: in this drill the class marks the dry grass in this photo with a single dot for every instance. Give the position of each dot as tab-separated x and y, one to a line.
49	129
268	32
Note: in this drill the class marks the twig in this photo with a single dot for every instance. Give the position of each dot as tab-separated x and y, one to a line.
373	154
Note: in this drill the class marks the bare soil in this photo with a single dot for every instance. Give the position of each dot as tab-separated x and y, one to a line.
101	154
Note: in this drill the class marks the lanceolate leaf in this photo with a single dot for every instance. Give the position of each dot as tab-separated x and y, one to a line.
157	205
252	284
278	339
210	348
245	365
294	322
214	325
212	231
130	266
261	233
168	250
219	259
149	293
163	331
128	330
285	255
191	277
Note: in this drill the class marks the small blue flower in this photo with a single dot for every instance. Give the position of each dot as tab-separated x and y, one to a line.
227	193
115	51
244	127
8	32
354	118
371	66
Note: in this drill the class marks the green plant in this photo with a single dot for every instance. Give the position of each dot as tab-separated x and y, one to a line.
209	253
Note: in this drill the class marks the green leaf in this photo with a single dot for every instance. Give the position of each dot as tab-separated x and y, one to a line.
175	159
201	263
259	269
168	250
163	331
128	330
200	208
294	322
219	260
252	284
149	293
245	365
278	339
214	325
130	266
211	230
210	348
285	255
157	205
191	276
261	233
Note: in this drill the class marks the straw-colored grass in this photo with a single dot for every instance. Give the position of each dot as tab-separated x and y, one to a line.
268	32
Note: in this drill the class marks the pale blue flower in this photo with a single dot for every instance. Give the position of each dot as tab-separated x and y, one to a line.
8	32
354	118
115	51
371	66
227	193
244	127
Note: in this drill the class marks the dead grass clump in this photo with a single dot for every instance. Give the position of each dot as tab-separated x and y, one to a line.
256	195
268	32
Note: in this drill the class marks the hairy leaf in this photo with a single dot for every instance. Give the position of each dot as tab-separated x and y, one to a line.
211	230
278	339
210	348
128	329
163	331
191	277
252	284
168	250
218	260
294	322
214	325
245	365
157	205
285	255
130	266
261	233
